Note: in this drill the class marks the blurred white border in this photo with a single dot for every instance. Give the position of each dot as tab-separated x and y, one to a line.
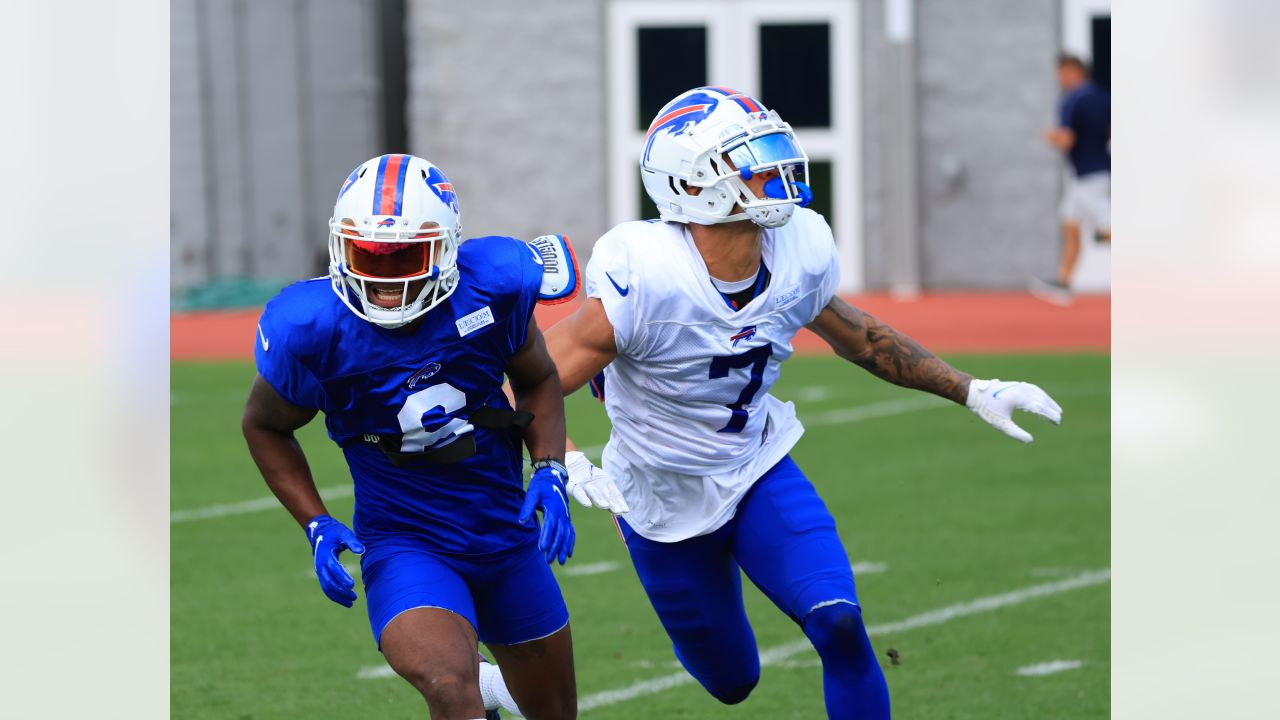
84	609
1196	200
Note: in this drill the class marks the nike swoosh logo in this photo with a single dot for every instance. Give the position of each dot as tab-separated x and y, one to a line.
621	290
559	494
996	394
266	344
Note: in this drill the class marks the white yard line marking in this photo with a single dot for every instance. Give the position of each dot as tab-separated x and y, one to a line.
589	569
1048	668
353	569
862	568
1053	572
887	408
813	394
651	664
373	672
249	506
795	664
781	653
834	417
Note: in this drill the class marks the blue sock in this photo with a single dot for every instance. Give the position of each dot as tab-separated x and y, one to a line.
852	681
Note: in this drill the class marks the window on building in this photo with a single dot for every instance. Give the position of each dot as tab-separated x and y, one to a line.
820	183
1100	32
671	60
795	72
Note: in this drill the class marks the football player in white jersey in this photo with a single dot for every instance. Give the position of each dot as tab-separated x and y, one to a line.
690	319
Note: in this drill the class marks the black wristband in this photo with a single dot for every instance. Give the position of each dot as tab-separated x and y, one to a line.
553	464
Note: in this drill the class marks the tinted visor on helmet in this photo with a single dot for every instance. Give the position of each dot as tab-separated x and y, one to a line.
773	150
389	261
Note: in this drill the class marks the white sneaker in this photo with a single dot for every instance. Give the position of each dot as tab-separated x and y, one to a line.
1050	291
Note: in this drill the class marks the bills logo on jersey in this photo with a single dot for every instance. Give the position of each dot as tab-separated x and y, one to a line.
441	186
745	333
678	117
427	371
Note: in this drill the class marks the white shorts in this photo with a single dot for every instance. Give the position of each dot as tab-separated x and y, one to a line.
1087	201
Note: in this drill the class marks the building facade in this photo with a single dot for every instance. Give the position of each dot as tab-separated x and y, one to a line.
923	119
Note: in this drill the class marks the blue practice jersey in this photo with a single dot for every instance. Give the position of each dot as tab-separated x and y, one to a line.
420	384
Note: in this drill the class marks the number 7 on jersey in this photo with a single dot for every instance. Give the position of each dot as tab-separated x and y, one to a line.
756	358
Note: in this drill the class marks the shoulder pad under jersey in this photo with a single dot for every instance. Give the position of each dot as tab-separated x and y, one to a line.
559	269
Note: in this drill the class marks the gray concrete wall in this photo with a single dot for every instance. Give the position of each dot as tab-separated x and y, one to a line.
987	90
507	97
272	103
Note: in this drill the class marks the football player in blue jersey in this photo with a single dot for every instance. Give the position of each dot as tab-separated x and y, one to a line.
404	348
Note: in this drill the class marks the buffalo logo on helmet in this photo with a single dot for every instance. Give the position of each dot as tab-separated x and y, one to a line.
351	180
441	186
679	116
386	222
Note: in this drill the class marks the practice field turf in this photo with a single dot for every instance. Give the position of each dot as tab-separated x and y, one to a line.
977	557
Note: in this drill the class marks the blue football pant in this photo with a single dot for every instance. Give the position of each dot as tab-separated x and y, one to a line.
509	597
785	540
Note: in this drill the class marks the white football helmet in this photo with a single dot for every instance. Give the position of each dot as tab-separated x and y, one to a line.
394	236
714	138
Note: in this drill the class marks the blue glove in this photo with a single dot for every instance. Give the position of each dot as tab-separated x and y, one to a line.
547	493
328	538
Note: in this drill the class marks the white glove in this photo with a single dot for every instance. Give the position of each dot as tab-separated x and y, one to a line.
995	401
591	486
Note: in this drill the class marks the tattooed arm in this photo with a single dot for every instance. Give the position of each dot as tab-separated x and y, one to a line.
889	355
886	353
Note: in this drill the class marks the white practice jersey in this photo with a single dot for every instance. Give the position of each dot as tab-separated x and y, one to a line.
694	424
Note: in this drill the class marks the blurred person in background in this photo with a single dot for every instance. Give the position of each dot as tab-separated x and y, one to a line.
690	319
1083	135
404	348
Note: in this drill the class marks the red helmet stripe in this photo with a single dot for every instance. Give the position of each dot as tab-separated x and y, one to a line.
675	114
747	102
392	182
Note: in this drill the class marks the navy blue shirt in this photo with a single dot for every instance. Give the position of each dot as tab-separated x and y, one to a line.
1086	111
421	385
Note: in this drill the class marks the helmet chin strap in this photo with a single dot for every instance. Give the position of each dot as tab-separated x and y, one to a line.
775	216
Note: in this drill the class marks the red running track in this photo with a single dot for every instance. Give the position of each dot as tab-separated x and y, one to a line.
947	322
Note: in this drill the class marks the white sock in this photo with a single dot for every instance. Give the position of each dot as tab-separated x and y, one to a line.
493	690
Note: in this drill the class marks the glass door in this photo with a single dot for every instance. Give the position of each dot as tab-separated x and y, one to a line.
799	58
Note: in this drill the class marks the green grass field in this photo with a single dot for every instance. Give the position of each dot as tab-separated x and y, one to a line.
940	510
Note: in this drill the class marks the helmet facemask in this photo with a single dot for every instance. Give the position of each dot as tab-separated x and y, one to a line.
382	258
767	146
